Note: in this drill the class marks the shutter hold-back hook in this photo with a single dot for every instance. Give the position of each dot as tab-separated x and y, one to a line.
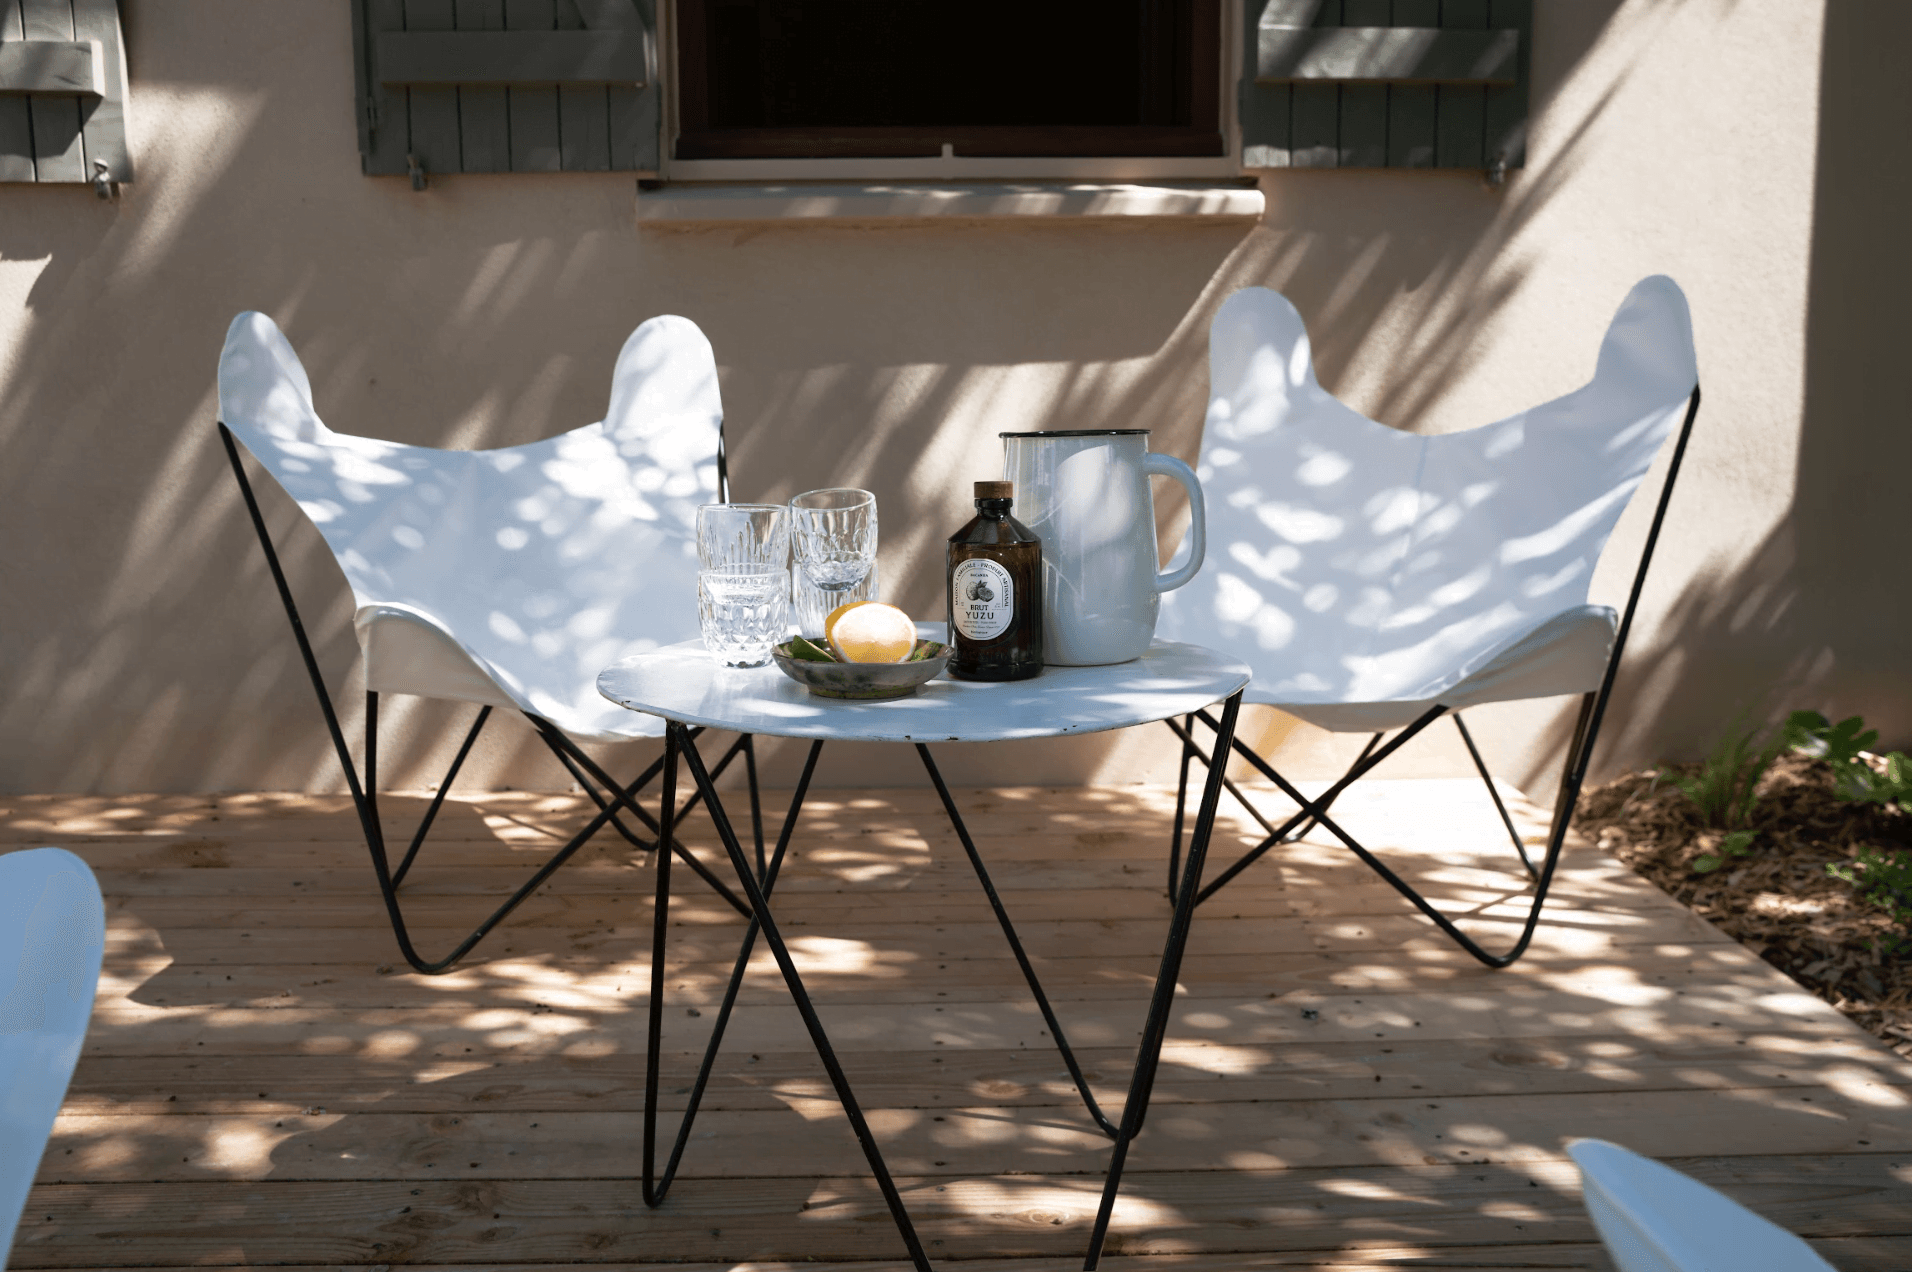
103	184
416	167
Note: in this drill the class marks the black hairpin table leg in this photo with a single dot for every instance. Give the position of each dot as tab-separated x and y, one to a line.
1015	944
758	900
1161	1004
656	1185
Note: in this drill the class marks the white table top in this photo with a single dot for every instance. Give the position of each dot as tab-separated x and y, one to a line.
682	682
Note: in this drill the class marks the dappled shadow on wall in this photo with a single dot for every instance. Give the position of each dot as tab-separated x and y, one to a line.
148	649
1851	518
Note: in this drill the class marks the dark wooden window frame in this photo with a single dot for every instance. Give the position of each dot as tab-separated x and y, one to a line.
1203	136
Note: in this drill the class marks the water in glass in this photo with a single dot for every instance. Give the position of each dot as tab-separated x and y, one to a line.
833	539
743	581
743	611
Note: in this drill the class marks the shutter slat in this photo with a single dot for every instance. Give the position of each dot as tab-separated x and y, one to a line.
16	125
1386	54
385	112
584	120
534	111
513	57
58	151
1364	126
1505	141
1265	110
484	117
1364	107
1460	118
1314	136
1385	83
104	126
434	111
636	116
1412	107
51	66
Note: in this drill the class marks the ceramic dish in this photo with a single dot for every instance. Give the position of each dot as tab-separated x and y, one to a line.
865	682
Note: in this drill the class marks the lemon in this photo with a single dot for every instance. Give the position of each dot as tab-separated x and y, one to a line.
829	623
871	632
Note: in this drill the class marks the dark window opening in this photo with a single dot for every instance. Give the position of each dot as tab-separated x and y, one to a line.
901	78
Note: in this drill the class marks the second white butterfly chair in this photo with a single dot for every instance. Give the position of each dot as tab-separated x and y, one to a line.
504	578
1652	1218
1377	580
52	935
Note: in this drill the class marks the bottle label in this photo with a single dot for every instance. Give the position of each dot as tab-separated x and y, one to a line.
983	597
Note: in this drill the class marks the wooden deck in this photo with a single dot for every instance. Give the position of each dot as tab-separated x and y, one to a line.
262	1085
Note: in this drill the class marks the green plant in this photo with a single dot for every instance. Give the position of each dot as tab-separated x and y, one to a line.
1738	843
1727	785
1842	746
1884	879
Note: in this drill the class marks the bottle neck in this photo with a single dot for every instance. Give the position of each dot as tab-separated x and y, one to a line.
993	509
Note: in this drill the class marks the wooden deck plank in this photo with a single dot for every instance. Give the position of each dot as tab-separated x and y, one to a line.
528	1026
598	983
810	1136
1329	1214
1321	1070
1341	1087
1588	935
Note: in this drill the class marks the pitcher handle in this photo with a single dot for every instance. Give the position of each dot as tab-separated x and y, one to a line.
1158	465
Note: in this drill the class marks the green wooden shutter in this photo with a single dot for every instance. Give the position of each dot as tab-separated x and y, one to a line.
450	86
1385	83
63	92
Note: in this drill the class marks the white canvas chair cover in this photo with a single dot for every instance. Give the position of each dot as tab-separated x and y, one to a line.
508	577
52	935
1652	1218
1367	574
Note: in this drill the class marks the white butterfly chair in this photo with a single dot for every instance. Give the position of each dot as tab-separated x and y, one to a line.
1377	580
52	933
1651	1218
504	578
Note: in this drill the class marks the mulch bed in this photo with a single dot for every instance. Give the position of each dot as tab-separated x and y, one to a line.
1777	900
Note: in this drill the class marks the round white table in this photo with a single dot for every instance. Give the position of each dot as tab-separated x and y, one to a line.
683	683
684	686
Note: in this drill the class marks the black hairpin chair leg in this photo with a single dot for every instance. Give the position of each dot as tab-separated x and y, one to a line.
613	798
1586	732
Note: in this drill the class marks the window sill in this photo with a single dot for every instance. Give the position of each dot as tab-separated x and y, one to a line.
790	203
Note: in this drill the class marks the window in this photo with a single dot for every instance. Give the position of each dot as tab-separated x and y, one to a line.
830	79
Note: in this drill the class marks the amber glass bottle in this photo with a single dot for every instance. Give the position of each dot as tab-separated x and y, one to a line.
995	592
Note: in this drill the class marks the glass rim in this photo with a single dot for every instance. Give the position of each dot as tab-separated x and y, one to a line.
743	507
867	498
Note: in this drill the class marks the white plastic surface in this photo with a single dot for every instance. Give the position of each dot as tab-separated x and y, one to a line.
1367	573
683	683
1654	1219
52	933
509	576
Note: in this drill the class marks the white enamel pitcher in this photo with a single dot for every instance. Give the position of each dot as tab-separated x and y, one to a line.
1086	493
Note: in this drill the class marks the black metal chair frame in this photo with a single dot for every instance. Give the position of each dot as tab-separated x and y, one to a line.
760	881
610	796
1313	812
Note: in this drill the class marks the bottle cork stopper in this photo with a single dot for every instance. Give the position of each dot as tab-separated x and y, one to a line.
995	489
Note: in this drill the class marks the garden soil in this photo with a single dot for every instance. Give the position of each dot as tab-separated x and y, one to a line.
1777	899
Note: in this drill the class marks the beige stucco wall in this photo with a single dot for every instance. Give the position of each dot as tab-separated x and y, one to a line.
142	648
